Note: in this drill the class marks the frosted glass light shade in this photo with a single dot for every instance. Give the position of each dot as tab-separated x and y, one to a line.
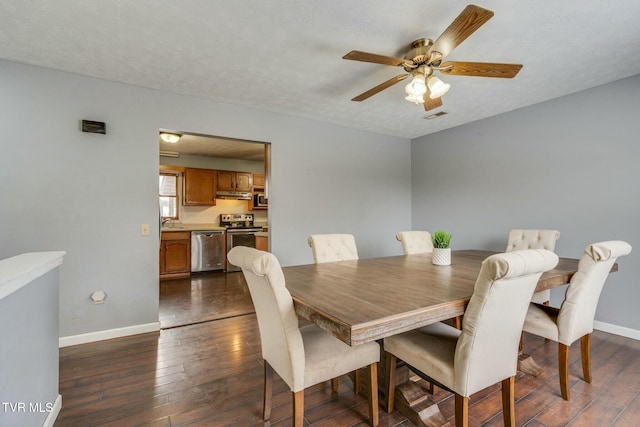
415	99
417	86
437	87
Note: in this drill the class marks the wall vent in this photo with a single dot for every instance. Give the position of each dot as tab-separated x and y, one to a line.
94	127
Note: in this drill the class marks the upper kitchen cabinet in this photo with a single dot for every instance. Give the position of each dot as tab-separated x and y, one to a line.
257	202
258	180
235	181
199	187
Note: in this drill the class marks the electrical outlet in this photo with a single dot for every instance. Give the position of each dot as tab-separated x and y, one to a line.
144	230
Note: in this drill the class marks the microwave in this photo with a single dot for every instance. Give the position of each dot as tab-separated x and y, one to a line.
260	200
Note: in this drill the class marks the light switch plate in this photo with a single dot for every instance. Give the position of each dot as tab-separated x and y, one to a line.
144	230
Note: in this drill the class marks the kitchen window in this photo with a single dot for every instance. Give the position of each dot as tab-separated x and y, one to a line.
168	196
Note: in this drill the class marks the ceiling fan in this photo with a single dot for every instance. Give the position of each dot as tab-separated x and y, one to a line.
426	56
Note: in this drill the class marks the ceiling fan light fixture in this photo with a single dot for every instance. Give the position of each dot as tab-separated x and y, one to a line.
415	99
416	87
437	87
171	138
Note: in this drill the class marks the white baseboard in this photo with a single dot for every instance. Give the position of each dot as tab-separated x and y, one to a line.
53	415
617	330
108	334
155	326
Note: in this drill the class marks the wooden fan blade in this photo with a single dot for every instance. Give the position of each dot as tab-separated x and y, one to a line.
481	69
469	20
380	87
357	55
430	104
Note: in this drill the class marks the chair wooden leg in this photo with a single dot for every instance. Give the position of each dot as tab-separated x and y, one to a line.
390	372
268	391
563	370
462	411
547	303
457	322
520	343
298	408
585	355
508	402
357	381
334	384
372	385
433	389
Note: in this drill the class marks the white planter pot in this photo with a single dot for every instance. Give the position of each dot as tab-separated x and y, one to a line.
441	256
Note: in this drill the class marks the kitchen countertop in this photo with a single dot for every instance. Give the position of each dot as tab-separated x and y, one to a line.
262	234
192	227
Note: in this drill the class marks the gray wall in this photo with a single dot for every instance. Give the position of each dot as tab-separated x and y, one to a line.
29	352
552	165
570	164
87	194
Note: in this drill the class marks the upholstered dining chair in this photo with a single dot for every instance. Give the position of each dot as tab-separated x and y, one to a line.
333	247
485	351
534	239
419	242
574	319
415	242
302	357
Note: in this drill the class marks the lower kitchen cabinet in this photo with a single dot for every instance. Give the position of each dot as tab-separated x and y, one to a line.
262	242
175	254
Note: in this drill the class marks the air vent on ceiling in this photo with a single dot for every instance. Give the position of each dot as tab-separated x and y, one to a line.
436	115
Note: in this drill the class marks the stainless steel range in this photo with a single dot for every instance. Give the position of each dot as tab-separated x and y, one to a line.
240	232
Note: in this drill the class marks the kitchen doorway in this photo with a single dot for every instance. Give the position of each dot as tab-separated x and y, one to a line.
195	297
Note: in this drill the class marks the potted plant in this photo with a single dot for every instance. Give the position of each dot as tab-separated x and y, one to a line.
441	248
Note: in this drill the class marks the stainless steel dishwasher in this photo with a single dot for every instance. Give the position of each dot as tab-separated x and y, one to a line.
207	250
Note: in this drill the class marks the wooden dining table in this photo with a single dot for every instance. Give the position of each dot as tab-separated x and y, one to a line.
369	299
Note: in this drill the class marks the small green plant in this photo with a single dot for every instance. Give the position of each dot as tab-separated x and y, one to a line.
441	239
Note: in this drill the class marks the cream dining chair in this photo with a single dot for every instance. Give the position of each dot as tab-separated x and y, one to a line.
534	239
332	247
485	351
415	242
302	357
419	242
574	319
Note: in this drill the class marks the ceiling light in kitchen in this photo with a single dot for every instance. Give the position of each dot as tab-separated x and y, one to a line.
170	137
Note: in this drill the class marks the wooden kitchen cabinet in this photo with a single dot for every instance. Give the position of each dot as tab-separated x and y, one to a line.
262	243
175	254
259	180
200	187
235	181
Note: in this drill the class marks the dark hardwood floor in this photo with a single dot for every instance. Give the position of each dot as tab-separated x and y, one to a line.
203	297
209	373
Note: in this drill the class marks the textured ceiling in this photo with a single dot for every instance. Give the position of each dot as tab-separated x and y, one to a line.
286	56
200	145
